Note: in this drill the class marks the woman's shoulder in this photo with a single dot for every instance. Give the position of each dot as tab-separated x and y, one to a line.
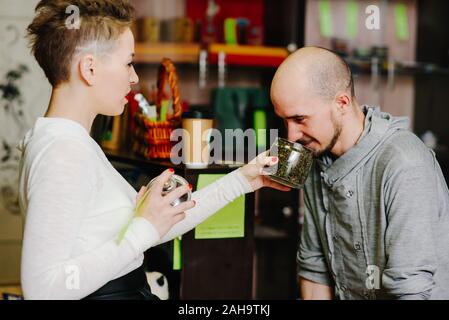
59	138
60	127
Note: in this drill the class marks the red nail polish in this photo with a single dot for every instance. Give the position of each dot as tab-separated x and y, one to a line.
171	170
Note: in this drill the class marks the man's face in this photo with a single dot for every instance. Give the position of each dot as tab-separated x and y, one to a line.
309	120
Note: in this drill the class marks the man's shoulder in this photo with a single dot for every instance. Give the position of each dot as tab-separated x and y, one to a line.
403	149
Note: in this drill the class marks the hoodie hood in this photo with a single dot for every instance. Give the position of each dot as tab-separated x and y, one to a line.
378	127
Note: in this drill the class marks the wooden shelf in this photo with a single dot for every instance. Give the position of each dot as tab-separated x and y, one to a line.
178	52
240	55
245	55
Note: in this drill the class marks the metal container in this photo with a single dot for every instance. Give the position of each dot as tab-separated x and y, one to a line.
174	182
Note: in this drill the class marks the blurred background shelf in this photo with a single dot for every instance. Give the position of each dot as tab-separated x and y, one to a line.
178	52
246	55
262	56
401	68
189	53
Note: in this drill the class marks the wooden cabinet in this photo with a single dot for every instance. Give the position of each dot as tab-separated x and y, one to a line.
219	268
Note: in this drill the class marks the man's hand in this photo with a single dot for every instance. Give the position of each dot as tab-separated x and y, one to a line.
314	291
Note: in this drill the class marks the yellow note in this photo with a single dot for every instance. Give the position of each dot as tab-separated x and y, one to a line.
228	222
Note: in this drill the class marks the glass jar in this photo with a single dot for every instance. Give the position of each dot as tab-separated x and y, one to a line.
294	164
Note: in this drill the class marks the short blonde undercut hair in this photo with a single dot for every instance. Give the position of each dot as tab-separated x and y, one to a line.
54	44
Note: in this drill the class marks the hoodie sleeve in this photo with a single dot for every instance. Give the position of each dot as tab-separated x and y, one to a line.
311	261
61	187
412	211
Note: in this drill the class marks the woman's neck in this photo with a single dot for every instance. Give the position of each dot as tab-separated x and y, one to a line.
71	103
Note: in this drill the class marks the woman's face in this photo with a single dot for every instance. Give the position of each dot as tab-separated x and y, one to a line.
116	74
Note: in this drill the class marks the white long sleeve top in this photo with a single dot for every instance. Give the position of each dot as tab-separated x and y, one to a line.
75	203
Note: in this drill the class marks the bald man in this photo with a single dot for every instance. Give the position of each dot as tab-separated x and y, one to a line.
376	203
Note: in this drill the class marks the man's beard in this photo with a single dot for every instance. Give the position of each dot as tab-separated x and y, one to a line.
337	131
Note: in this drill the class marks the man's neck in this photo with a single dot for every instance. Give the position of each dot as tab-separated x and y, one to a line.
351	133
70	103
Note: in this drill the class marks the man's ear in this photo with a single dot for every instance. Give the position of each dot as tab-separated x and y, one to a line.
343	101
87	67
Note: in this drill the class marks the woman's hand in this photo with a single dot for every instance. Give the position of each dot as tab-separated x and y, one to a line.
256	175
157	209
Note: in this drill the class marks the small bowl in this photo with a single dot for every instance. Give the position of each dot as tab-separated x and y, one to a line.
294	164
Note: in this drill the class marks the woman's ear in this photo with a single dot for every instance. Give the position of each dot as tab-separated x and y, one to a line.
87	68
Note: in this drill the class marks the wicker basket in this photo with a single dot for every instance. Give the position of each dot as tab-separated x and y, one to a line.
152	138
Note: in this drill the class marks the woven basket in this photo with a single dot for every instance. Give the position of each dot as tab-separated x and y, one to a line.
152	138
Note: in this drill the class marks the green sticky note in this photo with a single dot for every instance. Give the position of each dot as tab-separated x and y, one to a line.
177	254
228	222
324	8
230	30
400	13
260	126
352	10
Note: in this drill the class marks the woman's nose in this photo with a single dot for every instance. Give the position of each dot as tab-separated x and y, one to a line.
134	77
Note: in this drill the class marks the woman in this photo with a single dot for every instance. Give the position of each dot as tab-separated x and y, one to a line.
74	200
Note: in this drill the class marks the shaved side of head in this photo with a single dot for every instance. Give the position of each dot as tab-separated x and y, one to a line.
326	72
330	74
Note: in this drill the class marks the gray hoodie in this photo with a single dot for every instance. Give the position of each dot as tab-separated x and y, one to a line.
377	218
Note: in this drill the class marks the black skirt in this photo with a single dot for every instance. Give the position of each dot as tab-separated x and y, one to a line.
131	286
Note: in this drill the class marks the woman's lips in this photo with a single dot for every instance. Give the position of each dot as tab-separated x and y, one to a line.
126	96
